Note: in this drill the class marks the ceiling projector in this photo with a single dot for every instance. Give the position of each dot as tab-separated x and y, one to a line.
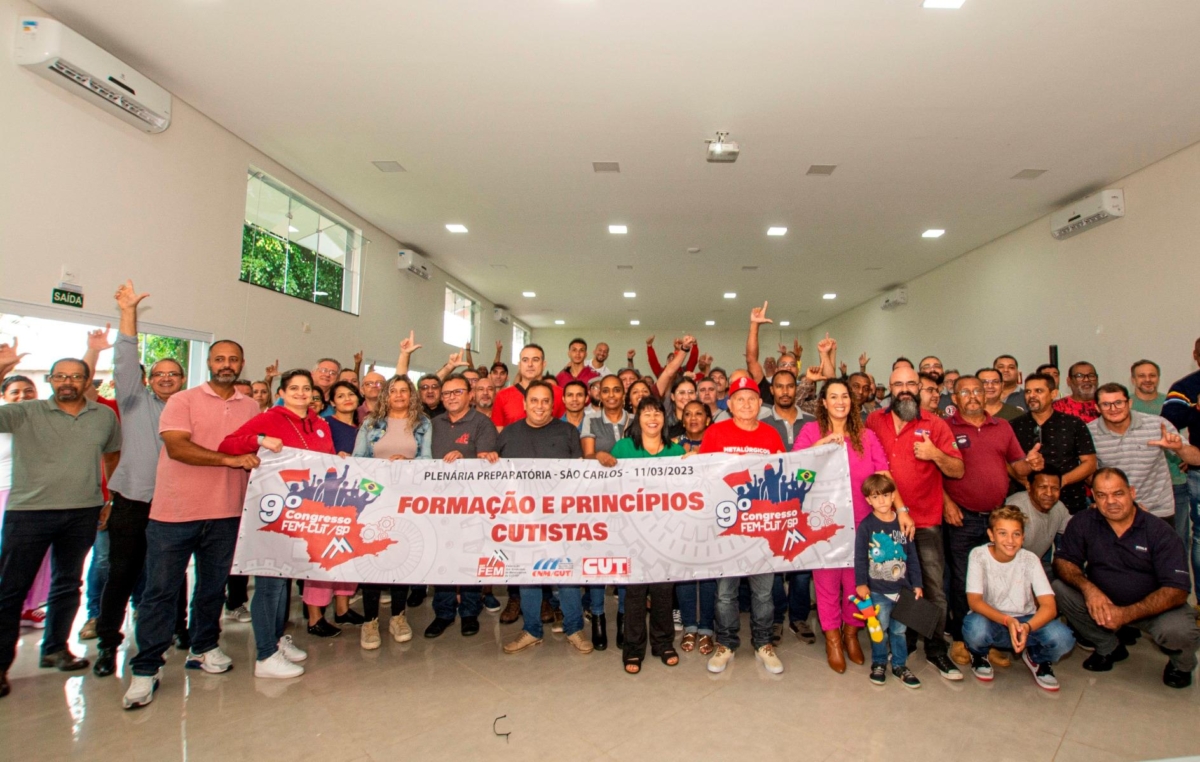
722	150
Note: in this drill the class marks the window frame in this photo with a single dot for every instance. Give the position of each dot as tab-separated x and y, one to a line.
476	307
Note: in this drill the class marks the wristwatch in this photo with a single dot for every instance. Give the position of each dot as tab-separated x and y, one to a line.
261	438
902	509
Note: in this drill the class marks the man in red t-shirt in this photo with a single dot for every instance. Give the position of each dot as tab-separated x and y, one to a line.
578	369
921	451
744	434
509	406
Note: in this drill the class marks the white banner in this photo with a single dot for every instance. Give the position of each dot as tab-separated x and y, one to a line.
321	517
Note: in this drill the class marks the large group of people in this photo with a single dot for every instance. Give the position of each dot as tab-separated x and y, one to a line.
1022	522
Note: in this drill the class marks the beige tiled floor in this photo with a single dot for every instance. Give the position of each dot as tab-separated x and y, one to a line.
438	699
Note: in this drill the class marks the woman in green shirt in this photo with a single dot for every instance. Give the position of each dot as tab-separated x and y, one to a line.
648	439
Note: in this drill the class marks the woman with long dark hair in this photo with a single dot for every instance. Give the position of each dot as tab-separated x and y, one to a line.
395	430
648	439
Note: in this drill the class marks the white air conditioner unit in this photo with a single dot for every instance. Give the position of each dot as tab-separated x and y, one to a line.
500	315
1087	213
894	298
414	263
54	52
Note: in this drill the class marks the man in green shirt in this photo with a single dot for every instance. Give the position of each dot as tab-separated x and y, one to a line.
55	504
1146	399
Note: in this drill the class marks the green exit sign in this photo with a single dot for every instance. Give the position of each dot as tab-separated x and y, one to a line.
66	298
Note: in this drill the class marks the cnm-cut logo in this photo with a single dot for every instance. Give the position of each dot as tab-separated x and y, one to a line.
605	567
553	567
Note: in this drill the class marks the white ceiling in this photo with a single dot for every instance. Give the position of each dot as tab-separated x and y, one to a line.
497	108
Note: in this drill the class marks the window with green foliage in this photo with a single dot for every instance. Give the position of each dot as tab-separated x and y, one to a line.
292	246
153	348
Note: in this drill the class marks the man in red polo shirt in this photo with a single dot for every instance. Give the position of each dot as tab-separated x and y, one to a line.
744	434
578	369
991	454
921	451
509	406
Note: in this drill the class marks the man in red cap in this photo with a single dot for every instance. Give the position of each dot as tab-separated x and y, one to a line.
744	434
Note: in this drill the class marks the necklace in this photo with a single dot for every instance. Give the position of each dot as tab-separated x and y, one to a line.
297	430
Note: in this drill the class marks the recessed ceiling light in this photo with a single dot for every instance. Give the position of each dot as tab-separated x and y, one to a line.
618	229
624	267
829	296
293	229
730	295
635	322
821	169
605	166
933	233
785	323
499	267
777	231
454	227
630	294
944	4
560	322
528	294
693	250
1029	174
389	166
710	322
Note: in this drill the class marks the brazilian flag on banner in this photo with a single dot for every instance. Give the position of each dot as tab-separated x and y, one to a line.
804	475
371	487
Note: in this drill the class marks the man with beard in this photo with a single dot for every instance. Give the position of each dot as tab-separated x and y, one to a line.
921	453
484	393
599	357
990	453
1067	446
1147	399
1083	380
1012	394
195	511
993	396
54	504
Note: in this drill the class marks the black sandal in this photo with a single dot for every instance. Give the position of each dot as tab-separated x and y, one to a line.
632	661
667	655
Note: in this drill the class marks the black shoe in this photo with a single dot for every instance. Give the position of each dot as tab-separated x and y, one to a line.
600	632
437	627
64	661
1176	678
944	666
1098	662
803	632
620	630
5	688
1129	635
106	662
350	617
323	629
907	678
182	640
878	674
470	626
416	596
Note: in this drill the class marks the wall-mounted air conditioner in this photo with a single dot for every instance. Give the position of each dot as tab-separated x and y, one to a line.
501	315
1087	213
410	261
54	52
894	298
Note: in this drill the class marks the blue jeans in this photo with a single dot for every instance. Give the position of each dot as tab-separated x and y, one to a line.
703	593
595	599
68	534
445	604
762	611
97	575
796	601
1049	643
268	613
531	609
893	635
169	546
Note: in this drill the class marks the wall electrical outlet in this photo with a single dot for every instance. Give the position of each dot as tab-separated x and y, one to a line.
70	274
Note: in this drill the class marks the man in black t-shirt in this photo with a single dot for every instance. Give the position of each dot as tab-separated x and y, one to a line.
1066	444
541	435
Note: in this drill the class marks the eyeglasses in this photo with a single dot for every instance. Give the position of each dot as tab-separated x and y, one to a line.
325	371
60	377
454	393
997	382
373	385
1084	376
166	374
429	388
970	393
1114	405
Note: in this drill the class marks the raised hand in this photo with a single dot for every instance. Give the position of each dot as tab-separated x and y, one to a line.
97	340
813	374
797	350
632	353
1035	459
1168	441
783	349
649	342
826	345
409	345
678	343
862	361
687	342
758	315
456	360
9	356
358	356
842	367
127	296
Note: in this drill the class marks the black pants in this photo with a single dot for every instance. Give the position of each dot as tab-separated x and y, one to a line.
126	562
662	626
237	591
27	535
370	599
960	541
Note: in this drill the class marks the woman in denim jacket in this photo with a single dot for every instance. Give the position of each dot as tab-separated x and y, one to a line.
396	430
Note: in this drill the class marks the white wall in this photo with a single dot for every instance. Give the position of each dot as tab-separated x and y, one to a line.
1126	290
80	187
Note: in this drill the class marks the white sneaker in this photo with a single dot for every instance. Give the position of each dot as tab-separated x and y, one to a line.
770	660
240	614
398	626
277	666
141	690
677	618
289	650
213	661
720	659
368	636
